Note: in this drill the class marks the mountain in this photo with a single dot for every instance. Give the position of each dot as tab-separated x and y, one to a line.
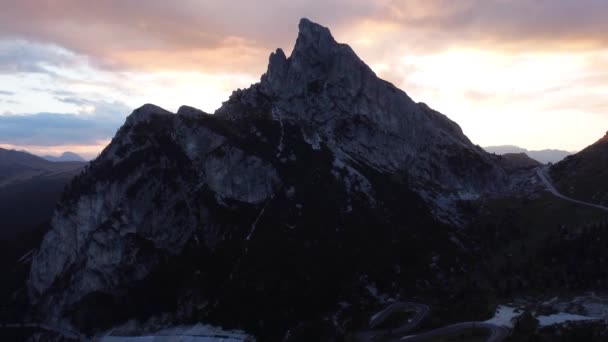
29	189
320	185
65	157
516	161
543	156
585	175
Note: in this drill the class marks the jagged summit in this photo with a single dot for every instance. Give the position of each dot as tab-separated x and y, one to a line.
316	57
315	42
311	31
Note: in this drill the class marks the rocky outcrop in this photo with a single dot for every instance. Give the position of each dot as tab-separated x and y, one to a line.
318	180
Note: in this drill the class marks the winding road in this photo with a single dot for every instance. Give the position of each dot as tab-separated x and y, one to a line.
376	320
497	333
541	172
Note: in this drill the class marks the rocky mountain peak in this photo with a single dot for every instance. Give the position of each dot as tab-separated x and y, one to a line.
333	97
144	113
314	40
316	59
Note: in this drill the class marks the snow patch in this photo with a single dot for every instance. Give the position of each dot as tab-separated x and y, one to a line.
372	290
280	147
562	317
195	333
504	316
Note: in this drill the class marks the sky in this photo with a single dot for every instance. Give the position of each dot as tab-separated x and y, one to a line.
529	73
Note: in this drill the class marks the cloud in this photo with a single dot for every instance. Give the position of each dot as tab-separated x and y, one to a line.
6	93
55	129
212	35
167	35
513	23
20	56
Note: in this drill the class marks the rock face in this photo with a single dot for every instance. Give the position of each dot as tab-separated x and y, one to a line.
316	182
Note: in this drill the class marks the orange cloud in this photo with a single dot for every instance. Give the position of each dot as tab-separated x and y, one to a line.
234	55
180	34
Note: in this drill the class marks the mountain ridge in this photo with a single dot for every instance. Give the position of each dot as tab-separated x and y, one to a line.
583	175
65	157
544	156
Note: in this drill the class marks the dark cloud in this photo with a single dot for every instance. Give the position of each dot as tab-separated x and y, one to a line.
52	129
6	93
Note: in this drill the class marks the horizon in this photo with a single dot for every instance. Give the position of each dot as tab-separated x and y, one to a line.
505	79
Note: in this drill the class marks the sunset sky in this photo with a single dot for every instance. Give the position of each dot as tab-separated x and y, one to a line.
530	73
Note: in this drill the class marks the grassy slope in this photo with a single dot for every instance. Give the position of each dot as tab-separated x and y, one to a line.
516	232
585	175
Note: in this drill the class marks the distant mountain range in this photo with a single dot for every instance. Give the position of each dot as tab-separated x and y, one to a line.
30	187
543	156
65	157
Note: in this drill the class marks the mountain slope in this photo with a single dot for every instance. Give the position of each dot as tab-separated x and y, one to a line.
29	189
322	184
543	156
514	161
585	175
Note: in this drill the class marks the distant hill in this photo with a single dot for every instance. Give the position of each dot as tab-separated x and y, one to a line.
543	156
65	157
585	175
29	189
517	161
